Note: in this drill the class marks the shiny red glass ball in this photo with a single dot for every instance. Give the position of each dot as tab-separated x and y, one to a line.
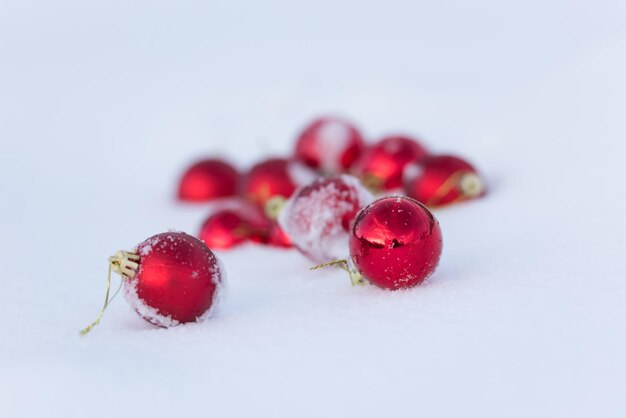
178	280
443	180
207	180
318	217
273	177
381	166
330	145
395	242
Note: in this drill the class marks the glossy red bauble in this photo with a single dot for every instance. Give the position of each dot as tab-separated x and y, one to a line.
395	242
207	180
330	145
381	166
318	217
442	180
178	280
274	177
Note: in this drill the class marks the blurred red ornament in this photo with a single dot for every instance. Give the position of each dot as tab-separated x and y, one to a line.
330	145
442	180
223	229
319	216
276	237
231	226
207	180
395	242
239	221
381	165
274	177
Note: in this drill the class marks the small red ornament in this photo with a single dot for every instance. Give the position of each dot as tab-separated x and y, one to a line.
207	180
395	242
274	177
330	145
381	165
318	217
171	278
178	279
442	180
234	223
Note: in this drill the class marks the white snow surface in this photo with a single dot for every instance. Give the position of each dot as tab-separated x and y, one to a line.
103	104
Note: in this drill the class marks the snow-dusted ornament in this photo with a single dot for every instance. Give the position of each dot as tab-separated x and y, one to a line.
169	279
318	217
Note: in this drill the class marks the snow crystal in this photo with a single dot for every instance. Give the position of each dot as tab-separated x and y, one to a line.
146	247
145	250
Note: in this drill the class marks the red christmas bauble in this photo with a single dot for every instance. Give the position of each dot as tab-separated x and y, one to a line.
318	217
330	145
274	177
234	223
178	280
395	242
381	165
207	180
442	180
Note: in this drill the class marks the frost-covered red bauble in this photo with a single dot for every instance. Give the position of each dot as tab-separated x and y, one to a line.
395	242
318	217
382	164
442	180
275	177
330	145
234	222
177	280
207	180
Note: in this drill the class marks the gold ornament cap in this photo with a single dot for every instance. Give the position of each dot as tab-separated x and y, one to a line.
124	263
471	185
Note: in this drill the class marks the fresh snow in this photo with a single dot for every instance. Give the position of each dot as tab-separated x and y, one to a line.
103	104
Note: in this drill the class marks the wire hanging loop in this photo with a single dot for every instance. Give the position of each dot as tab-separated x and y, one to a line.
355	277
123	263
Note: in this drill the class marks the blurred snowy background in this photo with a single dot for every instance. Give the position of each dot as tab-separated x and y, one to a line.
102	104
